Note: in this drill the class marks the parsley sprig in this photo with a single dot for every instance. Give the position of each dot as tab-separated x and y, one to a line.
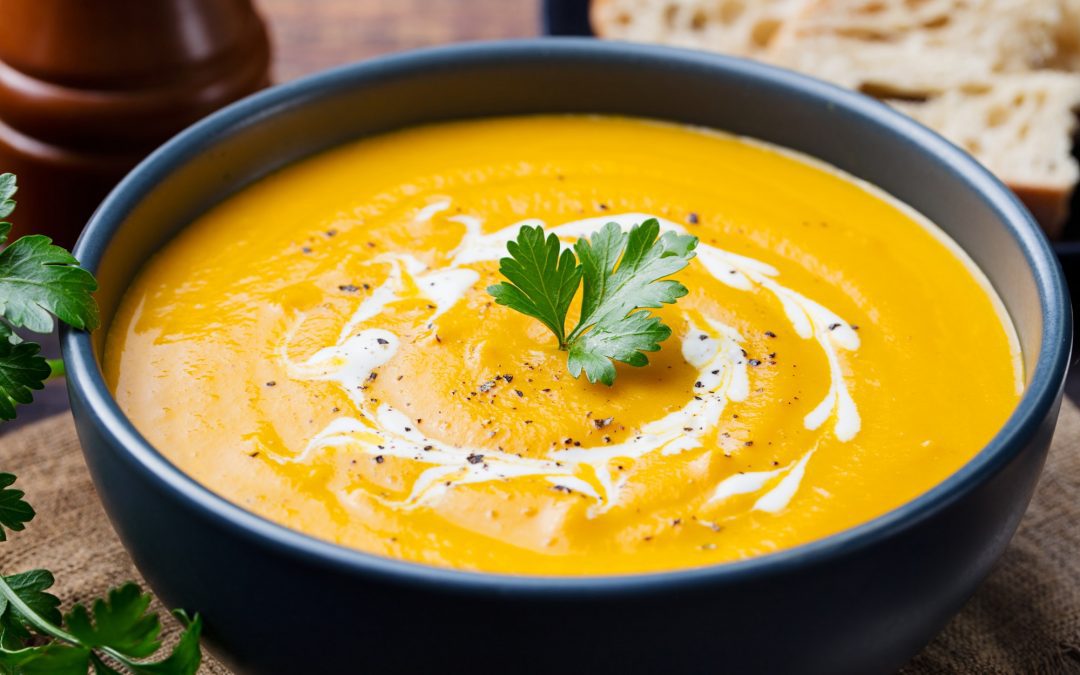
117	632
38	281
41	282
623	272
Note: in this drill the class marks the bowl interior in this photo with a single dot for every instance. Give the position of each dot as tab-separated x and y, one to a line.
229	150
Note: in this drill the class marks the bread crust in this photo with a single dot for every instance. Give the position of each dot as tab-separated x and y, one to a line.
1048	204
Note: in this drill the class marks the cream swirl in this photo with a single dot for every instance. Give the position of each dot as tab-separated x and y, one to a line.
716	350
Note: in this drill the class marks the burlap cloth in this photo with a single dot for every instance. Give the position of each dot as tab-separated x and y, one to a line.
1024	619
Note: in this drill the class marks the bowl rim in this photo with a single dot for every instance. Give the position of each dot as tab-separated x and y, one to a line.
87	383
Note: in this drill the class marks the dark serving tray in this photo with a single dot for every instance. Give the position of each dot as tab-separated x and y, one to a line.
571	17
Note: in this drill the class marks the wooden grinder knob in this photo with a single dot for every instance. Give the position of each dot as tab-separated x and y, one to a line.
87	89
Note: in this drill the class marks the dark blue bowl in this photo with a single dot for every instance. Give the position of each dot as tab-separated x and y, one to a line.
278	601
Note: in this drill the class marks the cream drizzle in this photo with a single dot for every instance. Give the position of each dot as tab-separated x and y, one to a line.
777	498
716	350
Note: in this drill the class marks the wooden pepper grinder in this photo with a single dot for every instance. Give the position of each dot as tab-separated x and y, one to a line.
87	89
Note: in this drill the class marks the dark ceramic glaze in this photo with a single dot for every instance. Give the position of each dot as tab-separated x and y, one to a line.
277	601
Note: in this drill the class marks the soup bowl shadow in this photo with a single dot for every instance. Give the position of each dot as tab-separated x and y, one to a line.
277	601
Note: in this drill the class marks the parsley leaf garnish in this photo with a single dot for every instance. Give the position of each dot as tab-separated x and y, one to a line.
120	622
50	659
185	657
113	637
38	281
7	204
14	511
542	282
31	587
22	370
622	339
624	274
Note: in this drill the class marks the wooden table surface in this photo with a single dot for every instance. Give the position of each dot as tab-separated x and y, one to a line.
311	35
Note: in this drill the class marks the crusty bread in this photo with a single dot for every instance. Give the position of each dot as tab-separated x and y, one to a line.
1001	78
740	27
918	48
1019	126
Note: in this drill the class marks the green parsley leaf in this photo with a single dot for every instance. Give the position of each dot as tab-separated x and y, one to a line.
598	256
613	292
623	272
49	659
7	204
39	280
120	622
620	339
542	282
31	588
185	657
22	370
15	512
119	630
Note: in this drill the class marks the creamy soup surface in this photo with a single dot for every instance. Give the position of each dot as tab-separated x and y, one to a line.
320	349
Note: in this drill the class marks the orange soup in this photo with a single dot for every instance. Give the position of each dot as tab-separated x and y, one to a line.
321	349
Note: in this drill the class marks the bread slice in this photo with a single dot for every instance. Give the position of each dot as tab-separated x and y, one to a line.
1019	126
987	74
918	48
739	27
